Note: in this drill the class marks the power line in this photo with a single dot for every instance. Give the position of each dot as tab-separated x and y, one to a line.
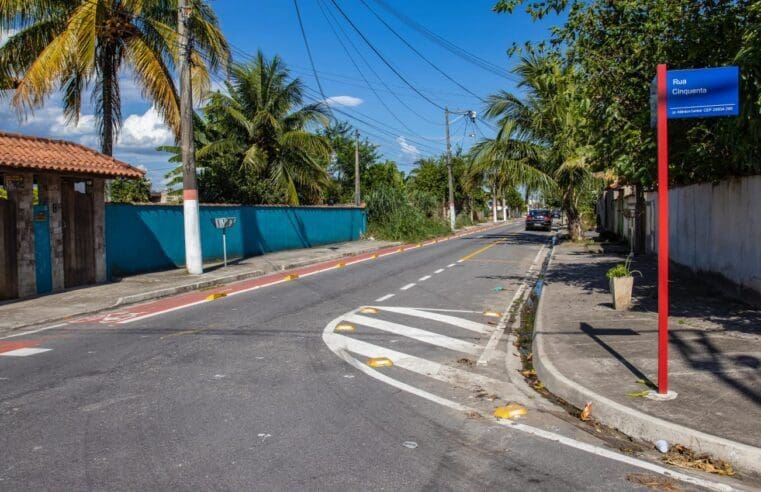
377	76
386	62
309	51
448	45
418	53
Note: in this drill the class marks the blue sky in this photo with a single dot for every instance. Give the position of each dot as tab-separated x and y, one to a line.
416	127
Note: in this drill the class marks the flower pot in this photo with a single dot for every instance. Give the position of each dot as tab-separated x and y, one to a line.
621	288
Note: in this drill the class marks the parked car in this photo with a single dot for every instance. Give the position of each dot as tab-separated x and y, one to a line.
539	219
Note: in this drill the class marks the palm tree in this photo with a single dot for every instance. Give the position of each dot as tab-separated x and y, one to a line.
508	160
70	44
552	117
262	120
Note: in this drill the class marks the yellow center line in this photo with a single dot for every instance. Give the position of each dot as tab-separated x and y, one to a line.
479	251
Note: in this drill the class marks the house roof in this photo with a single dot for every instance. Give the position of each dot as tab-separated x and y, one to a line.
24	152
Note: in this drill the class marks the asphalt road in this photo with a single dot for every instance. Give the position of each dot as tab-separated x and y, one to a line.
245	393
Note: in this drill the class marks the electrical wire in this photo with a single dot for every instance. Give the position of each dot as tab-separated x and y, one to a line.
309	50
419	54
383	59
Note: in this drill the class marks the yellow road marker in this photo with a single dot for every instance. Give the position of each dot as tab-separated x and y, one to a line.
400	249
379	362
492	314
479	251
215	296
292	276
345	327
368	310
374	257
510	411
340	265
419	245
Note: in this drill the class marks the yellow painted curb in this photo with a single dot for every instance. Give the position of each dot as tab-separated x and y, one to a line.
345	327
492	314
215	296
379	362
510	411
340	265
293	276
374	257
368	310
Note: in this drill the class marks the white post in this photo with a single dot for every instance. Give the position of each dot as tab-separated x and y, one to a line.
224	245
504	211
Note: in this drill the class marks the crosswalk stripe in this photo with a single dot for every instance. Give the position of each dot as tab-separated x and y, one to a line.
416	334
443	318
424	367
23	352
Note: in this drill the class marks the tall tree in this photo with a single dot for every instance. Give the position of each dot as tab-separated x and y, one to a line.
263	126
73	44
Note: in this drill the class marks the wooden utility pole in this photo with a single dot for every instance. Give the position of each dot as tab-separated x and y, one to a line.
357	198
450	176
193	256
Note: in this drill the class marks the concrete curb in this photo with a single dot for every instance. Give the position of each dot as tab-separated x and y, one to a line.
633	422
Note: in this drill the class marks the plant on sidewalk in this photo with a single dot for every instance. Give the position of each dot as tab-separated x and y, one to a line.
622	269
622	284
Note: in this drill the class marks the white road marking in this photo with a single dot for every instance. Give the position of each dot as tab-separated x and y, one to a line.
423	279
443	318
451	265
408	286
459	261
339	345
385	298
30	332
24	352
416	334
439	270
491	346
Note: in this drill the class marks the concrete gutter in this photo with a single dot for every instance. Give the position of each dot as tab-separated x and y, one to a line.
633	422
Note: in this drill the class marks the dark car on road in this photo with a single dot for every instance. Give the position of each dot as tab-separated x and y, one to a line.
539	219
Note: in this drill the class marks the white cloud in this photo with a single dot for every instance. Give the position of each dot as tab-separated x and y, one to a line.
146	131
407	148
349	101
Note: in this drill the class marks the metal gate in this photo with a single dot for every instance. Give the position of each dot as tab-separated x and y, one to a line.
42	249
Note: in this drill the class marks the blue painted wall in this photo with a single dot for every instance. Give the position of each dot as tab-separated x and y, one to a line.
145	238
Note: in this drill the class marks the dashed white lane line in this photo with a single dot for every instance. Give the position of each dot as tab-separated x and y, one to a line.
451	265
442	318
23	352
408	286
439	270
460	261
385	298
416	334
423	279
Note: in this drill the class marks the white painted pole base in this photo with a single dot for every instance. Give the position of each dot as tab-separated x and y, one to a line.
452	217
193	256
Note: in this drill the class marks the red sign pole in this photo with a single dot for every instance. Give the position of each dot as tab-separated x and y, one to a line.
663	234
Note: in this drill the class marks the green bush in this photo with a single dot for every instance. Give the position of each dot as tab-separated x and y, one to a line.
398	216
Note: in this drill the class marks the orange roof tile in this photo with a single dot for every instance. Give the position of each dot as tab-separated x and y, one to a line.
24	152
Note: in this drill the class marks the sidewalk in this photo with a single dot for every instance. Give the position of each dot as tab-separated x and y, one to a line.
139	288
585	351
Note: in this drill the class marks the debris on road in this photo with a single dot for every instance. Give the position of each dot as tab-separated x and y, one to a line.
510	411
662	446
655	482
684	457
409	444
587	412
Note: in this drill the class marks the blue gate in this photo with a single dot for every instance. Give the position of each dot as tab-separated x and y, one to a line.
42	249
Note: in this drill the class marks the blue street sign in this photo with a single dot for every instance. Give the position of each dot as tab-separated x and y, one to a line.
703	92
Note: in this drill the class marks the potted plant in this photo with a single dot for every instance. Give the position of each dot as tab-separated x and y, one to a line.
621	284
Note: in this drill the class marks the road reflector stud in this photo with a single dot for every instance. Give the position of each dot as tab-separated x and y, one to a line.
368	310
345	327
510	411
340	265
492	314
215	296
292	276
379	362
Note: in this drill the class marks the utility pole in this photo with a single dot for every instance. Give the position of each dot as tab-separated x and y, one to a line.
357	198
450	176
193	257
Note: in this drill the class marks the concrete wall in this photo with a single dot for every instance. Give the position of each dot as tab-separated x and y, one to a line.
144	238
712	228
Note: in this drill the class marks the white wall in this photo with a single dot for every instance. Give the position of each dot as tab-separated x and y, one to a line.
714	228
